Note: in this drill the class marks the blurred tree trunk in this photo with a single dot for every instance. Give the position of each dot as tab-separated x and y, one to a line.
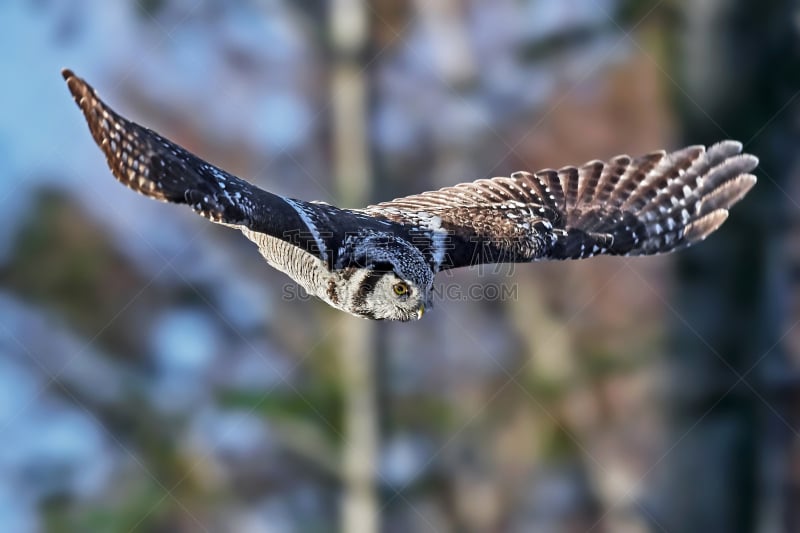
736	70
350	104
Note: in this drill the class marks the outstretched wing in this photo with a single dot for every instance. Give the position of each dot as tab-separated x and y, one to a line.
156	167
652	204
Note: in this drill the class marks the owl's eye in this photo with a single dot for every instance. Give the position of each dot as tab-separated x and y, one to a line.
400	289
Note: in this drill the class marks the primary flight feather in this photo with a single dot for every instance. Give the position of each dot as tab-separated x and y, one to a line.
379	262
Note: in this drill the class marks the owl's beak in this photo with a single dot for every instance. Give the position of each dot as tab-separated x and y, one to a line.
420	311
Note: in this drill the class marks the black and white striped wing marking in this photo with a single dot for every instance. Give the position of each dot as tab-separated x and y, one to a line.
652	204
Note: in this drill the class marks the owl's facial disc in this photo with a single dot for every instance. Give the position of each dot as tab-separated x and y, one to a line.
385	295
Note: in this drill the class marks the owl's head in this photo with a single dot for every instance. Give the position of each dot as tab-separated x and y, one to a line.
389	279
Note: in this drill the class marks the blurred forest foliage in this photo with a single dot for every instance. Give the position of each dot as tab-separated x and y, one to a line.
157	376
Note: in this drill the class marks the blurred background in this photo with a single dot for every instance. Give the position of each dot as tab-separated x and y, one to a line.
156	375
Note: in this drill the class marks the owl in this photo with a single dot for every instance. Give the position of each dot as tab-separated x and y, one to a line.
379	262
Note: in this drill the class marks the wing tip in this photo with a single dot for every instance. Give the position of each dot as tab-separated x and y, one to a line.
75	84
730	146
752	161
84	94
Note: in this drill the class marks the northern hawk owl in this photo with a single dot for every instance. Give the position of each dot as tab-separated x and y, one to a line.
379	262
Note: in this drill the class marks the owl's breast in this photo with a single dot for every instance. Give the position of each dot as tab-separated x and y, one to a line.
309	271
